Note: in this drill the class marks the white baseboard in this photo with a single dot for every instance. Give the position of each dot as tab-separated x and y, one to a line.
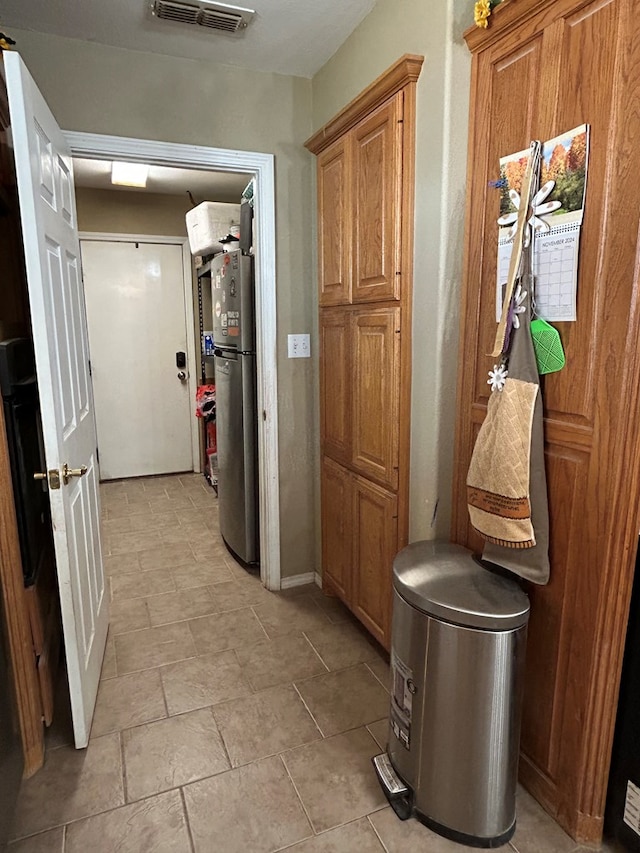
318	579
298	580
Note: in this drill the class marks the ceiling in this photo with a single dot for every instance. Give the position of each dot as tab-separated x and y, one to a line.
205	186
285	36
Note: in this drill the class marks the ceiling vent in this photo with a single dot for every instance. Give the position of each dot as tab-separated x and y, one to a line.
216	16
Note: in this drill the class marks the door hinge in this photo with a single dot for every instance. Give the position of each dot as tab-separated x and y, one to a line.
90	373
264	414
97	456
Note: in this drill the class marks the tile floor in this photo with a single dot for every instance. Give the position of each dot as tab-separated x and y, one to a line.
229	719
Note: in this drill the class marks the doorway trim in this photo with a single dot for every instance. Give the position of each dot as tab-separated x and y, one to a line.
261	167
189	316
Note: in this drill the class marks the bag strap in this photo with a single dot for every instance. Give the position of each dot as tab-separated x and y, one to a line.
518	240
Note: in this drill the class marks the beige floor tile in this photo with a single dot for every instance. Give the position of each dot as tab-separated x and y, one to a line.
130	542
380	668
231	595
203	681
222	631
123	509
73	783
180	605
44	842
190	515
128	615
165	557
253	808
176	535
200	574
356	837
170	502
335	778
128	701
109	668
151	521
239	573
172	752
536	831
342	645
280	661
282	615
344	700
118	564
334	608
157	824
153	647
380	731
115	526
399	836
141	584
264	724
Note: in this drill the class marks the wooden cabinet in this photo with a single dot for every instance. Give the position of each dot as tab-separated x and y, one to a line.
365	233
375	385
334	227
337	526
377	194
335	383
359	542
542	68
375	524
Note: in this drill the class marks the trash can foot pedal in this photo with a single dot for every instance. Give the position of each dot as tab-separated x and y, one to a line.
389	779
399	796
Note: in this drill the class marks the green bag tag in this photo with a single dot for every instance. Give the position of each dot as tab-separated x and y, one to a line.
547	346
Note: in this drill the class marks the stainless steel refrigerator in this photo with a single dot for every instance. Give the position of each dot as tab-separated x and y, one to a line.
233	301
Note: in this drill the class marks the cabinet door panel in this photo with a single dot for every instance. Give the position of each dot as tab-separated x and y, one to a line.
334	228
375	520
592	427
375	378
335	384
337	528
377	177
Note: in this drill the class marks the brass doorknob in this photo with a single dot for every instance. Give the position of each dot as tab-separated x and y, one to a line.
68	473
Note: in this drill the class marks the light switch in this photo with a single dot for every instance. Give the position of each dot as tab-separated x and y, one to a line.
299	346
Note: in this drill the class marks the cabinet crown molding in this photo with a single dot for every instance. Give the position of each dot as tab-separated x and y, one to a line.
405	70
507	16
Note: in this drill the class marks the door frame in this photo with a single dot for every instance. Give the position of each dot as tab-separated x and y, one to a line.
261	167
189	316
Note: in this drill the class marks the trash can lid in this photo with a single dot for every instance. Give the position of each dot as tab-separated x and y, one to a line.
444	581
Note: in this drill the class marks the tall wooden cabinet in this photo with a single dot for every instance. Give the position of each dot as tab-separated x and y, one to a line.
541	68
365	236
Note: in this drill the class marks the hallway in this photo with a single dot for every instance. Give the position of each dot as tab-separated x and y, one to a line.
228	718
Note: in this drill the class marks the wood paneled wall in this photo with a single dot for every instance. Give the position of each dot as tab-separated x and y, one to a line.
542	68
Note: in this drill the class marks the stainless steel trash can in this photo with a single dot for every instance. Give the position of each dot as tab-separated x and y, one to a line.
457	660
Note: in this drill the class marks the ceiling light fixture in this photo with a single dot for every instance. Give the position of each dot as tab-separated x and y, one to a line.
129	174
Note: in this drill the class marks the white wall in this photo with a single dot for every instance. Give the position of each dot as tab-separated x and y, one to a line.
99	89
435	31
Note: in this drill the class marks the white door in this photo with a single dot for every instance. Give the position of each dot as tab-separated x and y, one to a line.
135	300
47	208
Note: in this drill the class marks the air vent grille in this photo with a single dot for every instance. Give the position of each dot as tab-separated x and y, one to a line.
230	19
180	12
220	20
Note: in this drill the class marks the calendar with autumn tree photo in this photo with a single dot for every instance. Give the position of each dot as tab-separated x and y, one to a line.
564	161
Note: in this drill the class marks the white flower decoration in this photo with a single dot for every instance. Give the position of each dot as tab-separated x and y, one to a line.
518	307
539	209
497	377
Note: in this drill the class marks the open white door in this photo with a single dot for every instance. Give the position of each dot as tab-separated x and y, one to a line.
52	254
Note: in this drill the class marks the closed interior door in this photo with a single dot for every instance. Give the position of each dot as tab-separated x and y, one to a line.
136	316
